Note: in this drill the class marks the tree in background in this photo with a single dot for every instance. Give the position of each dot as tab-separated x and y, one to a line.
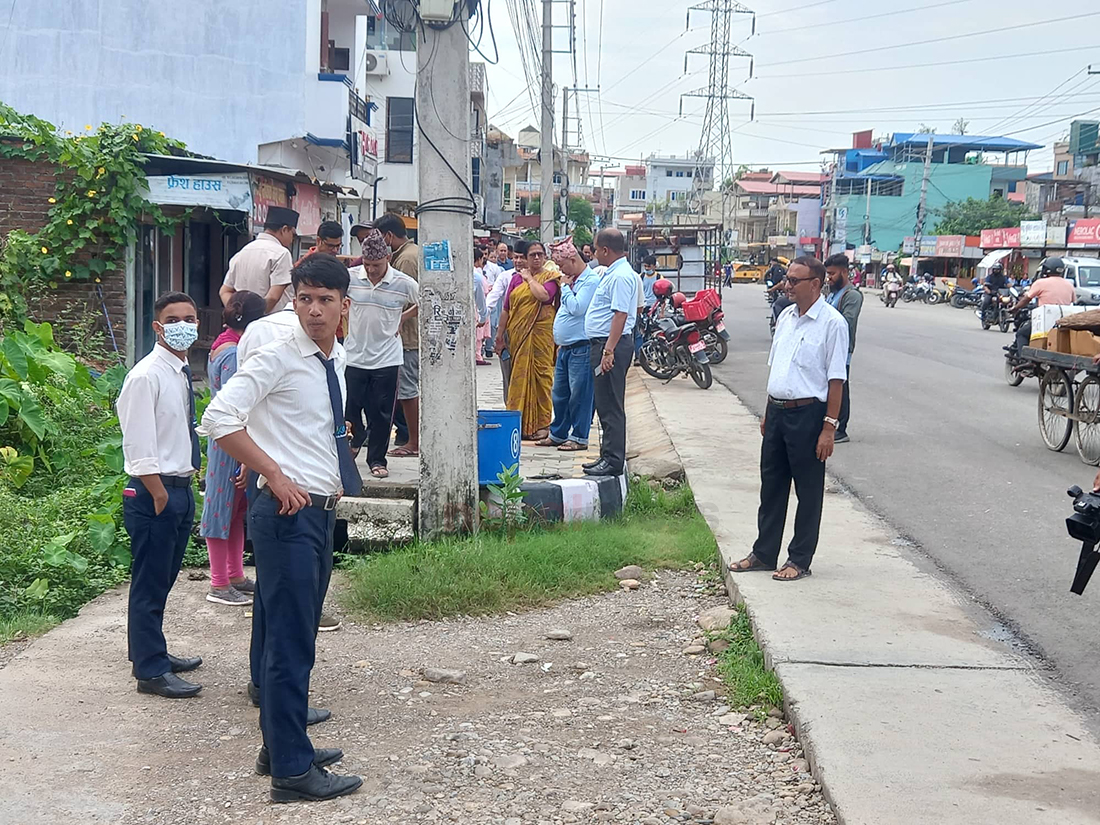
579	217
971	216
959	127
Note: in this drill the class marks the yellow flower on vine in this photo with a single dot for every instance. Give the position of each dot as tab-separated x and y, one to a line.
68	273
53	200
138	127
69	222
135	135
91	193
101	171
161	134
87	127
97	280
45	251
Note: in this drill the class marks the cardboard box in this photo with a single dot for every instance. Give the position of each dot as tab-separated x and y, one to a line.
1059	340
1043	318
1083	343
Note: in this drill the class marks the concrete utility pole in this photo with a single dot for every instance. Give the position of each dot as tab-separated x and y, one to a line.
921	206
448	424
565	159
867	216
546	190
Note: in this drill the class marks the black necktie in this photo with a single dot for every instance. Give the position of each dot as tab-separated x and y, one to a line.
196	452
349	473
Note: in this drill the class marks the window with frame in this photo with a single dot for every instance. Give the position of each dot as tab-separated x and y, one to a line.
680	173
475	175
668	173
507	196
1063	167
637	194
399	130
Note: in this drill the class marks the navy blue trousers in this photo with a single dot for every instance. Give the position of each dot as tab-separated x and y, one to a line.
157	544
293	567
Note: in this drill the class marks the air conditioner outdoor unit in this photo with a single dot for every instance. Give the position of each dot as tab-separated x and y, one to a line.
376	63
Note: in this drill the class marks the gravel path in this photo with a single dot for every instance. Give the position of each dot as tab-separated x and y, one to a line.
614	724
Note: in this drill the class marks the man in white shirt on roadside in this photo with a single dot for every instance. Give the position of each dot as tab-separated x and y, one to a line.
263	265
156	410
281	415
809	364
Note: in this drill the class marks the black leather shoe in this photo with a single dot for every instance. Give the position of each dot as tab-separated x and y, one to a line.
182	665
601	469
322	758
168	685
314	716
313	786
589	464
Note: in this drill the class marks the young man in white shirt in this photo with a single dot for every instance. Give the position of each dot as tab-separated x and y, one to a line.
809	365
156	410
281	415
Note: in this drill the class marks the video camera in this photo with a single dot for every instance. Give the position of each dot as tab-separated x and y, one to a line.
1084	526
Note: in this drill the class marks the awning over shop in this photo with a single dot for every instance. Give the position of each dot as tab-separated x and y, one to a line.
994	257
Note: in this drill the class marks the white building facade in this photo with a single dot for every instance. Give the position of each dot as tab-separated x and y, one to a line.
671	181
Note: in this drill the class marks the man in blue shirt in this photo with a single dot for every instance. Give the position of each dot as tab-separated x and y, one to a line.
649	278
609	325
573	381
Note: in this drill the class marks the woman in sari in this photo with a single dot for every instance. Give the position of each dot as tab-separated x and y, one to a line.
528	319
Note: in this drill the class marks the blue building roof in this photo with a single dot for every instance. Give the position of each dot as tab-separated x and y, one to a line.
972	143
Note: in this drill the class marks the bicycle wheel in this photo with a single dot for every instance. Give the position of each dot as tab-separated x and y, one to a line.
1086	431
1055	406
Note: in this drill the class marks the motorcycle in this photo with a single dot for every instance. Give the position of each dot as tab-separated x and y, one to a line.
926	292
1017	368
999	310
675	348
963	298
890	293
713	330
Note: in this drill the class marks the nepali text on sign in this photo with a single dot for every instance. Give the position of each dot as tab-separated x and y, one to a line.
216	191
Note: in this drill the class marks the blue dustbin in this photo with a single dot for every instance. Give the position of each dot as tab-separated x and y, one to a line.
498	442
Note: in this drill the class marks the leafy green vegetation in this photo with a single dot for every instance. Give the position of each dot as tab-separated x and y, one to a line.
971	216
25	625
61	535
742	667
490	573
94	212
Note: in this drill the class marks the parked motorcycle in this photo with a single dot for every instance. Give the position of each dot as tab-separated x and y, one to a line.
963	298
675	348
713	330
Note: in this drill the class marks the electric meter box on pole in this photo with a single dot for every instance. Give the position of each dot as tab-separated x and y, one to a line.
436	11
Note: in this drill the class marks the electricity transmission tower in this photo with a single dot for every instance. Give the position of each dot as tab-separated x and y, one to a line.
714	157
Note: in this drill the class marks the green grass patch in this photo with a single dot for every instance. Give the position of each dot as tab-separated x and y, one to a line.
490	573
25	625
741	666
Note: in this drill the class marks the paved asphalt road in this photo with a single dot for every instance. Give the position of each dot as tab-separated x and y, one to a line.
951	456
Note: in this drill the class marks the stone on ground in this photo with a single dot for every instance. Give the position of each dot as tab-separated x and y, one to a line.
716	618
444	676
631	571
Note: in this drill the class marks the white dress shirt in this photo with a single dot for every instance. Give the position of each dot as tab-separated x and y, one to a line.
491	273
280	394
260	265
155	414
500	287
808	351
274	327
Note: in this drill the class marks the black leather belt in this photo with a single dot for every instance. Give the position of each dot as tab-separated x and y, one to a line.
576	344
791	403
168	481
315	500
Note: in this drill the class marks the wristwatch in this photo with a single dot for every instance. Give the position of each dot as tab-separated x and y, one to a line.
833	421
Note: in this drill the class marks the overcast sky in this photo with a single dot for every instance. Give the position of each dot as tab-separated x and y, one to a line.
822	71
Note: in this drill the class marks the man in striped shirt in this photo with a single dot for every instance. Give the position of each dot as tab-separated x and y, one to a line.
382	298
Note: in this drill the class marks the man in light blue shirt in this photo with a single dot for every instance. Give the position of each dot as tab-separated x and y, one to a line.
573	380
609	325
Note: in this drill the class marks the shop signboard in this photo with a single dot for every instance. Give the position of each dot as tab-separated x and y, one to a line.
214	191
840	228
1001	238
1085	232
1056	235
266	192
908	245
949	246
928	246
1033	234
307	203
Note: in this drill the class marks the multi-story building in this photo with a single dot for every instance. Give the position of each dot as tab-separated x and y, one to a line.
877	187
521	171
632	196
671	182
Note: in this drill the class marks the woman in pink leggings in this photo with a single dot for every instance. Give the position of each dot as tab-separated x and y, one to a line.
223	505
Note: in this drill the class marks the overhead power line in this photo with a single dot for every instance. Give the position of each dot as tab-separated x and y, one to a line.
945	39
863	18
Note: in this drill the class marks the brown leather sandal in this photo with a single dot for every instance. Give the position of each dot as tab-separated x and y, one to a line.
749	564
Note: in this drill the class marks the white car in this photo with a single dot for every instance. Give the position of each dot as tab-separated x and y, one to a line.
1085	275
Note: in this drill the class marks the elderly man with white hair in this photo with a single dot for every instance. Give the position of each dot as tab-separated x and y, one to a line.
573	393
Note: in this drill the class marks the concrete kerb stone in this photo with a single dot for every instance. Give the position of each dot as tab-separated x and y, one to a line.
649	448
886	671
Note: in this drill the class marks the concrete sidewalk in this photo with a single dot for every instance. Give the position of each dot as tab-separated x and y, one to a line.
908	710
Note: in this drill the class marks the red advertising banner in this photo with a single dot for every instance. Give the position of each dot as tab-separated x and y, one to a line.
1000	238
1085	231
265	193
307	203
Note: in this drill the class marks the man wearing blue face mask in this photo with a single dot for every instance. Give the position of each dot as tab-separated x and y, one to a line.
156	410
